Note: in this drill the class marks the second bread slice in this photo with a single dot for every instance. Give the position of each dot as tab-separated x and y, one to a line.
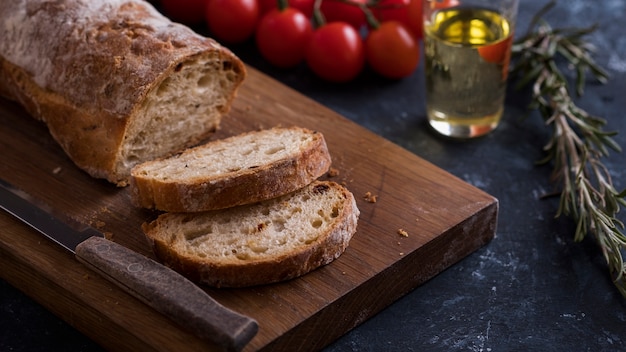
261	243
238	170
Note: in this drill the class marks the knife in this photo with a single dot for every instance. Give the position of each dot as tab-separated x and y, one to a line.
158	286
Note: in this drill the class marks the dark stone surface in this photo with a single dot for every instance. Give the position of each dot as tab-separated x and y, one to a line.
531	288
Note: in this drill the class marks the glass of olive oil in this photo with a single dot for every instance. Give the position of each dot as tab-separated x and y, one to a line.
467	48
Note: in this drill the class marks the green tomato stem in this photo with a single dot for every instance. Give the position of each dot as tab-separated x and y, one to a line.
282	4
318	17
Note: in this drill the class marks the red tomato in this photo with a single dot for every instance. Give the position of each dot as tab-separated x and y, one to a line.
266	5
282	36
391	50
306	6
389	8
444	4
338	11
408	12
498	53
232	21
185	11
336	52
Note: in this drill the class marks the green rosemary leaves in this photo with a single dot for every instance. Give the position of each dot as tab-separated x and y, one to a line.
578	141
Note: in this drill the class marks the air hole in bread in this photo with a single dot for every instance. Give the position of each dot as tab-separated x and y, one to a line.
186	219
190	236
242	256
274	150
178	67
261	226
257	248
205	81
279	225
163	87
310	240
335	212
321	188
317	223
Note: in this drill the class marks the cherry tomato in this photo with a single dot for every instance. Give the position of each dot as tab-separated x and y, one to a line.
444	4
385	10
498	53
338	11
232	21
408	12
391	50
336	52
184	11
283	35
266	5
306	6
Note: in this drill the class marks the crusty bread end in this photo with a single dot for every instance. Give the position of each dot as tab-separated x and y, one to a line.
116	82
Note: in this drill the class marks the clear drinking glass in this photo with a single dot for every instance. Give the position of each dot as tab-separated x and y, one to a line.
467	48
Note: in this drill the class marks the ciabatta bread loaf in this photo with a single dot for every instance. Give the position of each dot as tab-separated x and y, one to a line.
259	243
241	169
116	82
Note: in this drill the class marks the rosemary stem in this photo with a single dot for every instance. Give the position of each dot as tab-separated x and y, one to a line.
578	142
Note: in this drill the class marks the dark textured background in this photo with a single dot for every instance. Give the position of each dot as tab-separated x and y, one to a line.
531	288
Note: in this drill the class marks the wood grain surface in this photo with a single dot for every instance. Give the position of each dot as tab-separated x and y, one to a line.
445	219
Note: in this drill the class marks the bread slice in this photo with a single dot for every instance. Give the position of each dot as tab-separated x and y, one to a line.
261	243
241	169
116	82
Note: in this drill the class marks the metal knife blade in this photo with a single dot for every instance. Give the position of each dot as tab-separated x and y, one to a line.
156	285
21	205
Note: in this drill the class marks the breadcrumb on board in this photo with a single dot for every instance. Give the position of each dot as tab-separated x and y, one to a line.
333	172
371	198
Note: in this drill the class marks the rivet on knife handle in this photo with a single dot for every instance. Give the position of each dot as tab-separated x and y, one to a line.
168	292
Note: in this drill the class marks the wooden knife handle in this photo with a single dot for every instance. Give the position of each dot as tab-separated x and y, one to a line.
168	292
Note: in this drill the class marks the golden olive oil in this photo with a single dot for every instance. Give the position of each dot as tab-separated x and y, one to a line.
467	52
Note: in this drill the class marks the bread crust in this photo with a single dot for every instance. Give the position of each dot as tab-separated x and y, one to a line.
328	246
85	68
237	187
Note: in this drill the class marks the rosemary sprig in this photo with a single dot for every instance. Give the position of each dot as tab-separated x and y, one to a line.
578	142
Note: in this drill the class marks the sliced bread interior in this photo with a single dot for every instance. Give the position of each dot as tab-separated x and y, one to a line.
241	169
261	243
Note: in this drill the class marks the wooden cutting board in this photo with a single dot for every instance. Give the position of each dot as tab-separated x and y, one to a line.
445	219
